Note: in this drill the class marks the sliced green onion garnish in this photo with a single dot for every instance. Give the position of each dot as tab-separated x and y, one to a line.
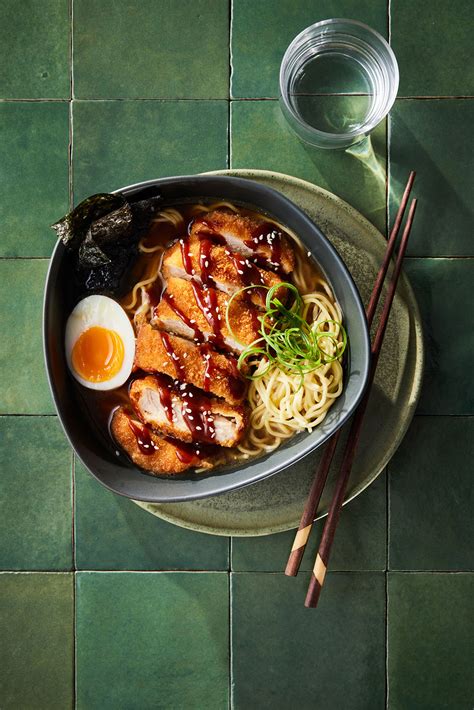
286	338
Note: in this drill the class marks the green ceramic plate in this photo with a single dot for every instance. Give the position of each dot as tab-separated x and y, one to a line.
275	504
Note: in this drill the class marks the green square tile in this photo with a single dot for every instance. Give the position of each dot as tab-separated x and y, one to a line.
360	542
34	50
23	385
445	175
150	139
165	636
443	288
35	506
131	538
151	49
33	175
432	498
262	139
261	32
36	653
432	41
430	641
287	656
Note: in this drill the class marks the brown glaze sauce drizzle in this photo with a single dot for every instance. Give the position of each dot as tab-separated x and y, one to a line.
143	437
206	300
205	260
197	334
263	235
186	453
173	356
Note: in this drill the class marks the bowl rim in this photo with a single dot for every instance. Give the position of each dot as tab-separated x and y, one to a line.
58	252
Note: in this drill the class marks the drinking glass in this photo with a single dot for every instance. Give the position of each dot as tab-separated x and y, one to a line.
338	80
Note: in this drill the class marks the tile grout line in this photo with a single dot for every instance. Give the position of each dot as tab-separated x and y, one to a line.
460	97
280	573
229	123
71	94
231	639
387	548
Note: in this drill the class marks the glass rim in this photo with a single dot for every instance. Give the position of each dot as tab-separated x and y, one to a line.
368	126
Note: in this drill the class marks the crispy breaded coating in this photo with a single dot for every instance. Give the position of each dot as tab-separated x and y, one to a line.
249	236
191	363
225	270
165	458
179	312
183	413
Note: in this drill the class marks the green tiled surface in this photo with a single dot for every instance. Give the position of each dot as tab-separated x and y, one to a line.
360	543
434	136
36	653
149	139
261	32
165	637
443	288
131	50
432	41
432	497
34	49
151	90
430	642
286	656
261	139
23	386
34	188
130	538
36	500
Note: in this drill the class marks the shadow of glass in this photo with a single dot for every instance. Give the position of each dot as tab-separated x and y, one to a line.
356	174
445	210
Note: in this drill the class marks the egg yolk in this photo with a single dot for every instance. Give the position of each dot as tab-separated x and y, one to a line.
97	355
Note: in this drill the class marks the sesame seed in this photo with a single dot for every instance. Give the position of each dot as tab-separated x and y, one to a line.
198	428
191	418
239	271
309	253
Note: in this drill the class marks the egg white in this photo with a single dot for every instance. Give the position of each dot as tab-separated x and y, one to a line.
106	313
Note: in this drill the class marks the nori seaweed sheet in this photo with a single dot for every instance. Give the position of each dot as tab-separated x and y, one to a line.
73	227
103	233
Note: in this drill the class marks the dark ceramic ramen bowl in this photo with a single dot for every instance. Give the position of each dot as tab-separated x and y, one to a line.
95	448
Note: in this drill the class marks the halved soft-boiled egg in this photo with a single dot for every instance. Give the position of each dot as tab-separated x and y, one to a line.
100	343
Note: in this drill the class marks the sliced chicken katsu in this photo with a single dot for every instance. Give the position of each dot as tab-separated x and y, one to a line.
248	236
199	365
185	413
217	266
157	454
199	313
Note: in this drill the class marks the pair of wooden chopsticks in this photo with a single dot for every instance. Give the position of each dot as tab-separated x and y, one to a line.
311	507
